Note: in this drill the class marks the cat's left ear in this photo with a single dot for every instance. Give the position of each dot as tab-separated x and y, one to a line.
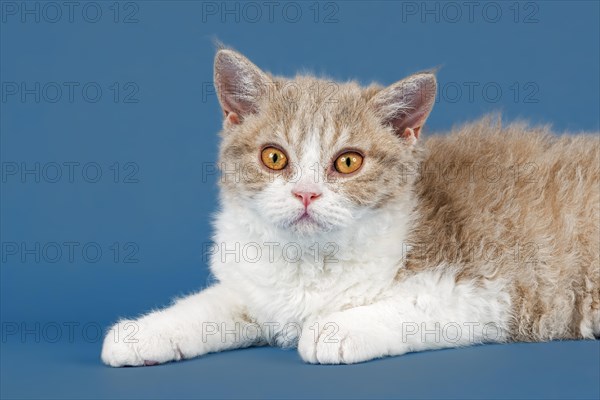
406	104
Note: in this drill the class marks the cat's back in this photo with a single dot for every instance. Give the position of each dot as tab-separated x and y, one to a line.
513	169
522	204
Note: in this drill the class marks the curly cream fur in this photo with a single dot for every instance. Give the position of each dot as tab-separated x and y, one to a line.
532	199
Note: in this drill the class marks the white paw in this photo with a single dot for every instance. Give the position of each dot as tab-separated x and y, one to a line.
133	343
338	340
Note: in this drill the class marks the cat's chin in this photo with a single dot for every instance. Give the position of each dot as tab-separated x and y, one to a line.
305	227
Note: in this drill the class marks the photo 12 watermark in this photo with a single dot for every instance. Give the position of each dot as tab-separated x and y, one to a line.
471	12
69	252
72	172
37	92
69	12
270	252
252	12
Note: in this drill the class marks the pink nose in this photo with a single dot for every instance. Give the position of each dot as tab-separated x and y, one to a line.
306	197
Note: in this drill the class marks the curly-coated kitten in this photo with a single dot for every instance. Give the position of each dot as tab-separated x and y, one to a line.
342	233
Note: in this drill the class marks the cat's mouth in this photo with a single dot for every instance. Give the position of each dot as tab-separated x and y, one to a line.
305	216
306	219
307	222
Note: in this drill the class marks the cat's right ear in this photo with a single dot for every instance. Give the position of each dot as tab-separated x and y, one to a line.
239	85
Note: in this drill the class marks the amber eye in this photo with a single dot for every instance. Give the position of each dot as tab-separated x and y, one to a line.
274	158
348	162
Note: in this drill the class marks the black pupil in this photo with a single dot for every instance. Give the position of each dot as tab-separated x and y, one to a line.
275	157
348	161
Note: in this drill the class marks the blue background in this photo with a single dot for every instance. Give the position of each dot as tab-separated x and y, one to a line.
543	56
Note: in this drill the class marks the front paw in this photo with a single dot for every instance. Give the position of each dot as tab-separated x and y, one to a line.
134	343
337	340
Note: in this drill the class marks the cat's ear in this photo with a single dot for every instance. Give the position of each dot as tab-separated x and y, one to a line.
239	85
406	104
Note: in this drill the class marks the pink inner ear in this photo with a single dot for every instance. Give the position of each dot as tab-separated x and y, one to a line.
410	132
232	117
414	122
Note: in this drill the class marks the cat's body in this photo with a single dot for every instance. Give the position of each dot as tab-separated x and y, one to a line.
521	205
487	234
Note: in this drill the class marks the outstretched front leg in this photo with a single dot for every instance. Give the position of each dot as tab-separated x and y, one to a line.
201	323
426	311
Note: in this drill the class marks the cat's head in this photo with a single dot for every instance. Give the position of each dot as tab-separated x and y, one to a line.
308	155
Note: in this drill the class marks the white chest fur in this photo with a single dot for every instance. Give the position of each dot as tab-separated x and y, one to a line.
291	279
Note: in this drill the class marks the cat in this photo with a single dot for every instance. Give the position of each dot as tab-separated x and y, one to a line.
344	233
